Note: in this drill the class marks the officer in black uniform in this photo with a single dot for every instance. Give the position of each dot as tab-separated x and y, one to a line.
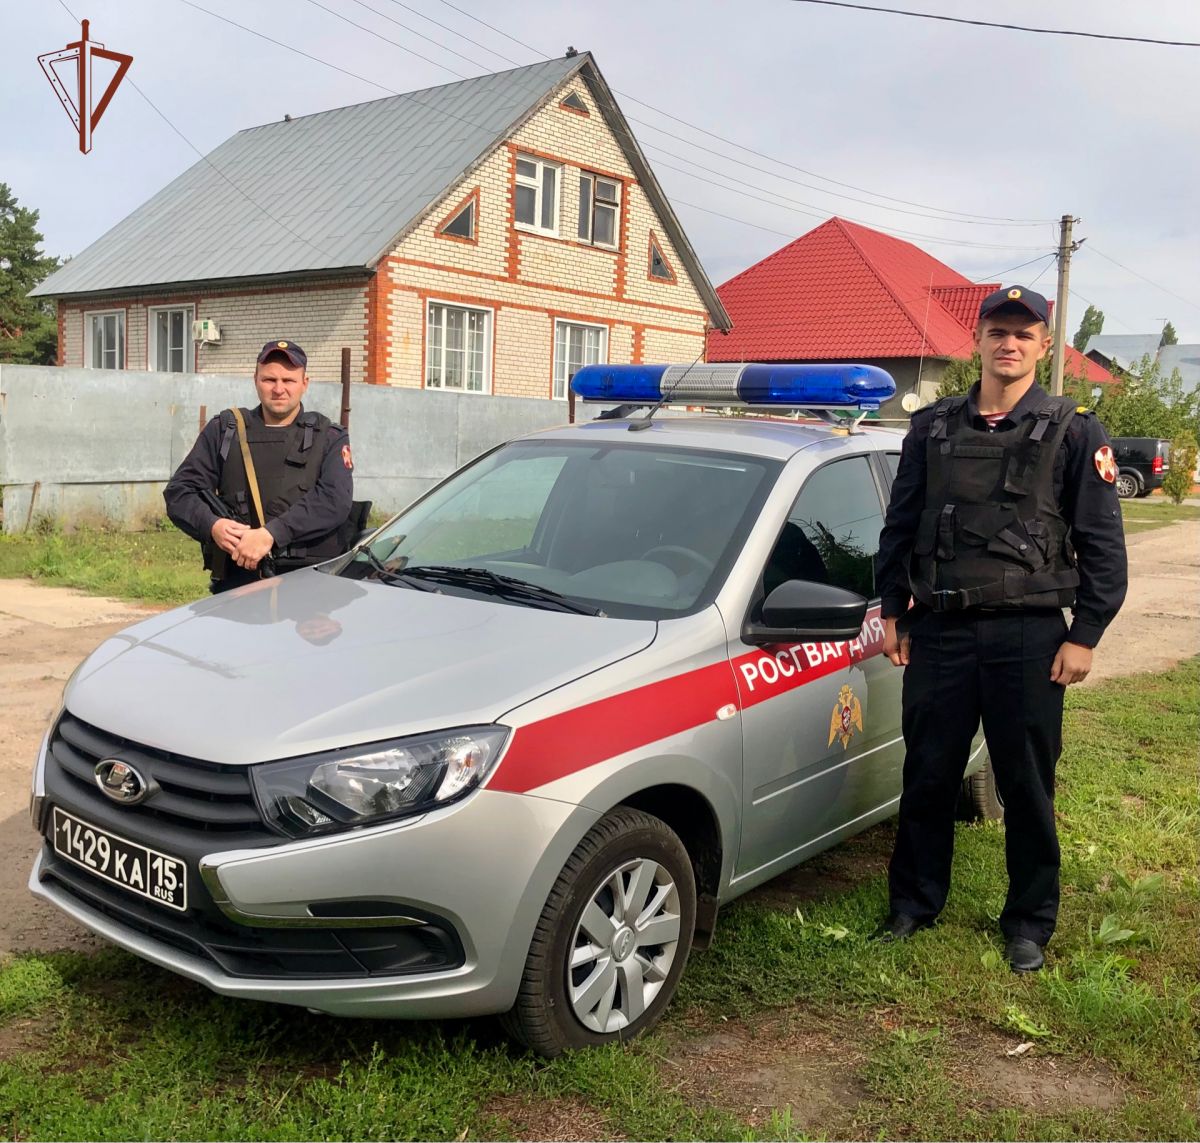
304	469
1003	512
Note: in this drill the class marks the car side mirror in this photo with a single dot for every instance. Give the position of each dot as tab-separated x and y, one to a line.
799	609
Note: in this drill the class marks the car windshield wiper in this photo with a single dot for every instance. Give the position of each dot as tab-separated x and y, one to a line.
387	575
505	586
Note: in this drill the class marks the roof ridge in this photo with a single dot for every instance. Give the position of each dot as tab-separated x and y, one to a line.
419	91
923	328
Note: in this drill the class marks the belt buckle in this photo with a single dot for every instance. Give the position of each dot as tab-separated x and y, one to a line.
940	602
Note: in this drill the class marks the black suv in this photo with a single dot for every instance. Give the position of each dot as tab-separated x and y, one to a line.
1142	462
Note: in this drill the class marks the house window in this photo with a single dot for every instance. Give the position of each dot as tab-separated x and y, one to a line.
456	348
105	341
575	346
599	209
171	340
659	268
460	222
537	195
574	103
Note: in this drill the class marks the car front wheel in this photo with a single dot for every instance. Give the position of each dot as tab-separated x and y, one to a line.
612	940
1127	485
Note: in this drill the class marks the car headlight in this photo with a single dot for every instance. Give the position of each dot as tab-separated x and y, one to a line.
338	790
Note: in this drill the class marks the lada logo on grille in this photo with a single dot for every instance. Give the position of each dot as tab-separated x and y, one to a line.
121	782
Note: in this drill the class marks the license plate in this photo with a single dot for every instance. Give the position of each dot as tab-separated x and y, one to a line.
147	872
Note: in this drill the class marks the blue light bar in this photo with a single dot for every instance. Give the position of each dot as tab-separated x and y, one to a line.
835	386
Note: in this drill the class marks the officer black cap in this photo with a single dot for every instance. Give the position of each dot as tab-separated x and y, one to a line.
284	348
1016	296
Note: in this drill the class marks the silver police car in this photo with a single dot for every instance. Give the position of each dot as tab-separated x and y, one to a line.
512	753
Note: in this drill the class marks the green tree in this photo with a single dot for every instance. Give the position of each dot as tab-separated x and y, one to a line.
1093	323
1145	403
1169	336
28	328
959	376
1178	481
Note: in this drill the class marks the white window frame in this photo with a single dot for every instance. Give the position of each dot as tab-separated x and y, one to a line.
614	204
189	347
536	183
560	375
89	319
489	325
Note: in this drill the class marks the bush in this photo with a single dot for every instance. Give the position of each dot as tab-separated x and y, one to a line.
1178	481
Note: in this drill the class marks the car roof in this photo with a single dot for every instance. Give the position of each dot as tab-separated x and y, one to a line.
777	438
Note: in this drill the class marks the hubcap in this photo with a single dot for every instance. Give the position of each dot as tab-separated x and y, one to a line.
624	945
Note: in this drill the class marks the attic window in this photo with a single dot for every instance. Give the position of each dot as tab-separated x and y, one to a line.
660	269
574	103
460	222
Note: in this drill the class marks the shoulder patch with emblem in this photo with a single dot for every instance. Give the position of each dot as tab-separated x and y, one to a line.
1106	463
347	457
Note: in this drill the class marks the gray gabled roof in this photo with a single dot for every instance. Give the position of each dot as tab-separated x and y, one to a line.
336	190
1185	358
1124	349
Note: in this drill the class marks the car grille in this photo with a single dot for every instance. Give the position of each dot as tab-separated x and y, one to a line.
274	953
193	796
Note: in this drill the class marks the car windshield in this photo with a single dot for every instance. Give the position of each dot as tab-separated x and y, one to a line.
632	531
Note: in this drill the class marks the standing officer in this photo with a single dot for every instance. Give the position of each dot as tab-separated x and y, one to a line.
303	467
1003	512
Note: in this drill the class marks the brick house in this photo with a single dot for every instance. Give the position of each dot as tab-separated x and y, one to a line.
485	236
845	292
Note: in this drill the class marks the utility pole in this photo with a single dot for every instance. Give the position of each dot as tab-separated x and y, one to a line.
1065	249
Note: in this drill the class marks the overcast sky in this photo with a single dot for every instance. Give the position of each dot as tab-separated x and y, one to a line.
951	120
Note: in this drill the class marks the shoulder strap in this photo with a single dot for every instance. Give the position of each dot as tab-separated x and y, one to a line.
248	461
229	428
941	413
1054	410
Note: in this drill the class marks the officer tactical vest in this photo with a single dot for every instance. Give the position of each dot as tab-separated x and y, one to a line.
286	462
992	533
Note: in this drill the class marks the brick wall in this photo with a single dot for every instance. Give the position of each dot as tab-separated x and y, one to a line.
529	280
320	318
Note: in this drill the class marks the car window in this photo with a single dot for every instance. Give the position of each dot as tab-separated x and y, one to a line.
892	460
832	532
638	530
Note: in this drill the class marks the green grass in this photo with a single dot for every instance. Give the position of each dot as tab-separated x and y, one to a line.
1155	512
107	1047
159	565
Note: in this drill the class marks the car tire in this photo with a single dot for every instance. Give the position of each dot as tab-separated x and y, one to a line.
979	800
590	977
1128	485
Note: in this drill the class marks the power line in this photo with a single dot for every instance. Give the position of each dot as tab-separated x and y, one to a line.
1143	277
819	190
1000	275
815	212
1006	27
743	147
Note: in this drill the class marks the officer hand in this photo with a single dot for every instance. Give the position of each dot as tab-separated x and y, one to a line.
1071	665
227	533
253	545
895	646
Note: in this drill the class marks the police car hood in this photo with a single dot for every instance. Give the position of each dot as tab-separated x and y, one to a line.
313	661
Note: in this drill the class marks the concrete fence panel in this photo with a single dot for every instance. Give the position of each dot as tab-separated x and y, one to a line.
91	445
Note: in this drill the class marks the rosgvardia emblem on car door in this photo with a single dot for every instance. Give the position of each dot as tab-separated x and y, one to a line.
121	782
847	714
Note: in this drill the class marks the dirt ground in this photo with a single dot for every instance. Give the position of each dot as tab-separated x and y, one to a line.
45	632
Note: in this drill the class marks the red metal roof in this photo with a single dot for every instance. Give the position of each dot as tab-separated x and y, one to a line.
845	291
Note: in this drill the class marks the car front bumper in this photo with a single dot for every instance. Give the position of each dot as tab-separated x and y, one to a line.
482	869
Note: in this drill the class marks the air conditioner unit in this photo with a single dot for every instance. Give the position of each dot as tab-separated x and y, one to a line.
205	330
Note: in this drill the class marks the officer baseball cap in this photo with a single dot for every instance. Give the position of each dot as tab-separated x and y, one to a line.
1016	296
288	349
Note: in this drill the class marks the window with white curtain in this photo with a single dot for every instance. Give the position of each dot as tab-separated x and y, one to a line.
171	339
105	340
576	345
457	348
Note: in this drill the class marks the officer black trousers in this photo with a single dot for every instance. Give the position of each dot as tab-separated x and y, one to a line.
964	667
